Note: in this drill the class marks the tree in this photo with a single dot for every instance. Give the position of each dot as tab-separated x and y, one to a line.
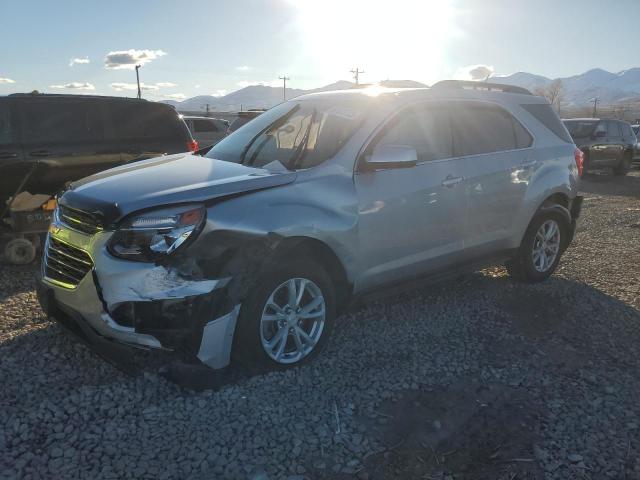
554	93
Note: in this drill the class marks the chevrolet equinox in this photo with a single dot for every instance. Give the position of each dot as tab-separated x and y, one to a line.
251	251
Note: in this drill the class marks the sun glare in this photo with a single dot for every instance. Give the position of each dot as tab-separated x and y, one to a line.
403	39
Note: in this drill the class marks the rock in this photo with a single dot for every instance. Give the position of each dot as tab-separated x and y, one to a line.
574	458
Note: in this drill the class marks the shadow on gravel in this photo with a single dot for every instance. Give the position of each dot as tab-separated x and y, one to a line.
608	184
16	279
468	431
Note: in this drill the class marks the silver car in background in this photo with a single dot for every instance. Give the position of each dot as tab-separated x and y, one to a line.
251	251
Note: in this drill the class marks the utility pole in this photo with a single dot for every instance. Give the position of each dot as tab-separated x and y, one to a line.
207	112
138	81
356	74
595	107
284	79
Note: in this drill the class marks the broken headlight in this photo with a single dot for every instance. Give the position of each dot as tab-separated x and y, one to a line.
150	235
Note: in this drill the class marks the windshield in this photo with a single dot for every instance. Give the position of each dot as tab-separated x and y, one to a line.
580	128
294	134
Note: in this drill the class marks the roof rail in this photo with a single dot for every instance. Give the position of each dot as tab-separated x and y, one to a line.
460	84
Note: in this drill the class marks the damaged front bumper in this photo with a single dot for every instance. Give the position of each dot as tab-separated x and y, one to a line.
131	303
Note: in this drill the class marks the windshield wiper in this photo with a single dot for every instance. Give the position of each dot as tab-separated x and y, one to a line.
301	151
276	124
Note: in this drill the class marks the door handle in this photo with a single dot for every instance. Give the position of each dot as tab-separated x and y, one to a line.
8	155
41	153
451	181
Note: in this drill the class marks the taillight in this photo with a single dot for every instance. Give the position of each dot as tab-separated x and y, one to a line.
192	145
578	155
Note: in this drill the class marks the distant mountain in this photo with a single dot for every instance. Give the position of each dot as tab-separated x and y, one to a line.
262	96
581	89
609	88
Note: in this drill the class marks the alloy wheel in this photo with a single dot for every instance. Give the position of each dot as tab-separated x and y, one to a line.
293	320
546	246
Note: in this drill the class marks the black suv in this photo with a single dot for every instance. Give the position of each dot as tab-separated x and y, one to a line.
49	140
605	143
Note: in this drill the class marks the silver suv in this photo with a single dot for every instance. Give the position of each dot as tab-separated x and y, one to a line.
251	251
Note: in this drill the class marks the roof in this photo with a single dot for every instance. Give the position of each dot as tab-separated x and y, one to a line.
198	117
74	95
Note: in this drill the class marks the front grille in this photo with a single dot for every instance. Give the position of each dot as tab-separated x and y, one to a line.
78	220
65	263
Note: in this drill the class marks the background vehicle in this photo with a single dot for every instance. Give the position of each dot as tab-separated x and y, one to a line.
49	140
205	130
605	143
242	119
636	152
254	248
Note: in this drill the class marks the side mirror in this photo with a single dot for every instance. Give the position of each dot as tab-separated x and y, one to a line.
392	156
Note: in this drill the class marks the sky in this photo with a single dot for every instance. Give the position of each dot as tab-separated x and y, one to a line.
213	47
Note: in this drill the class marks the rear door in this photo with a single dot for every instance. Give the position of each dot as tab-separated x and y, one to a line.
494	157
411	220
12	166
599	151
63	140
615	147
146	129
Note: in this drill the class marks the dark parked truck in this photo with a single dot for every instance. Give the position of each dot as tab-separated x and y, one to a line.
605	143
47	141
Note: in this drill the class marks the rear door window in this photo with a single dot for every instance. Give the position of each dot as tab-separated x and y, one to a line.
614	129
427	129
6	133
480	129
145	120
203	126
54	121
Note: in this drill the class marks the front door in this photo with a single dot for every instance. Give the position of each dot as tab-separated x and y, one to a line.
411	219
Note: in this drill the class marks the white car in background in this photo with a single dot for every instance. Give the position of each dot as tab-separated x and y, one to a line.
205	130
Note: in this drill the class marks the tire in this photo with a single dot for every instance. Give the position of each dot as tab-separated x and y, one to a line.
526	266
624	166
253	334
19	251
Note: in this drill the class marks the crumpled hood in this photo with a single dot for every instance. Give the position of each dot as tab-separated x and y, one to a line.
172	179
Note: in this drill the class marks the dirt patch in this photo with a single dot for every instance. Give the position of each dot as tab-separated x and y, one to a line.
470	432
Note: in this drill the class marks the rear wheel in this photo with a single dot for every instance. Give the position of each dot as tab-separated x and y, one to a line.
624	166
541	248
19	251
288	318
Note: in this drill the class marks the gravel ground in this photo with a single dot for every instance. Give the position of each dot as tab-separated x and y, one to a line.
479	378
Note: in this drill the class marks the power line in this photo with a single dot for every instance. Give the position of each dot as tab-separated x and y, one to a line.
284	79
356	74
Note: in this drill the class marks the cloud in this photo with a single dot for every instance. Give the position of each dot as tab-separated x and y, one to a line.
219	93
78	61
76	86
176	96
128	59
166	84
6	80
120	87
197	86
474	72
246	83
243	68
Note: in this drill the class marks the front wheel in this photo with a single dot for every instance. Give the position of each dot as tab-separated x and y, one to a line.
541	248
287	319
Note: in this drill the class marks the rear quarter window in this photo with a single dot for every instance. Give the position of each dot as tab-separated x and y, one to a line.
146	120
545	115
